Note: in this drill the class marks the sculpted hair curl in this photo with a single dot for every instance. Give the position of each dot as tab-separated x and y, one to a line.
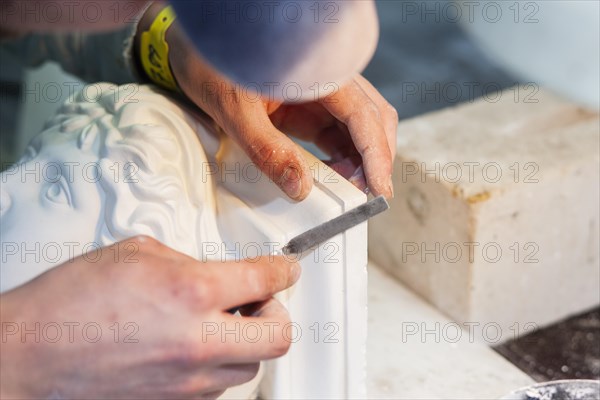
150	165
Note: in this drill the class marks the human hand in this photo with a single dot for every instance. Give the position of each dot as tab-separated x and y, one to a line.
156	311
355	125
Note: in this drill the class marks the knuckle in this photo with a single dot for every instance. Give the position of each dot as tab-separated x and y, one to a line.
266	151
201	291
366	115
271	157
188	288
391	112
368	151
371	111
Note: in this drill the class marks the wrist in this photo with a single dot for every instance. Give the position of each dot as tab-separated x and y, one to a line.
145	21
151	46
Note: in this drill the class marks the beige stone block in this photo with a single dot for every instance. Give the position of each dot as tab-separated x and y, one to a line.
496	214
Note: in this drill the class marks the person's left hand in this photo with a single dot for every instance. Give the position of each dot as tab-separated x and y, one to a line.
355	125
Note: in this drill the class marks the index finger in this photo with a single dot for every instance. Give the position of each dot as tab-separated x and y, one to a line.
353	106
236	283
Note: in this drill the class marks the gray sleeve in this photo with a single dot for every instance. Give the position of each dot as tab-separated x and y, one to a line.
92	57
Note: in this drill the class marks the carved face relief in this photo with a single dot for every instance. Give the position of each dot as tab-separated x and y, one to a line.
103	171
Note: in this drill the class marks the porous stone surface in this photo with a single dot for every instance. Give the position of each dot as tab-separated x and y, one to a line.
496	211
416	352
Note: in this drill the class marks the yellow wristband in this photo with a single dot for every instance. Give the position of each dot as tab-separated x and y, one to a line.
154	52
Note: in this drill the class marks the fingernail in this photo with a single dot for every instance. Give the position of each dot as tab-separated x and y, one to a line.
391	187
291	182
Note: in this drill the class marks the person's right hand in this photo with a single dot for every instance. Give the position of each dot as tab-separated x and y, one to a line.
144	321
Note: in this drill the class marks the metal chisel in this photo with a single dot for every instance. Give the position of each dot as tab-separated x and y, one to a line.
329	229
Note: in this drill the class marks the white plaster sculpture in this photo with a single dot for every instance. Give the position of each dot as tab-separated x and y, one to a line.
121	161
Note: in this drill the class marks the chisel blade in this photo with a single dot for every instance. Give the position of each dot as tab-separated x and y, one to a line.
339	224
